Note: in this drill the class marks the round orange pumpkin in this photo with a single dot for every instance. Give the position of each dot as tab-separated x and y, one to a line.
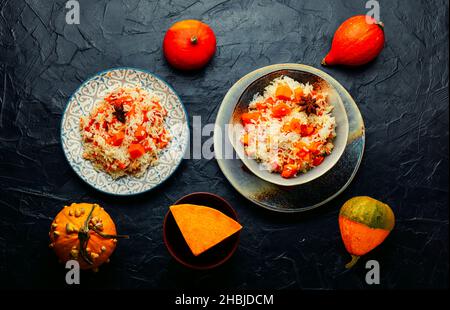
189	44
83	232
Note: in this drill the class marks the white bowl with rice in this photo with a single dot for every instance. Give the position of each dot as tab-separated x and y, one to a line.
289	127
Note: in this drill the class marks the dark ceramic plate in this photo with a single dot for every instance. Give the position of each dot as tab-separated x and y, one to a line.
339	113
177	246
298	198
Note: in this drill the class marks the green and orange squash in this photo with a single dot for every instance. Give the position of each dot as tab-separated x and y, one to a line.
364	223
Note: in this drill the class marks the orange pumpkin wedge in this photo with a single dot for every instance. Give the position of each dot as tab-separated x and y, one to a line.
203	227
364	223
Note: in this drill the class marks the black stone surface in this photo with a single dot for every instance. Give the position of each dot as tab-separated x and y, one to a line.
403	96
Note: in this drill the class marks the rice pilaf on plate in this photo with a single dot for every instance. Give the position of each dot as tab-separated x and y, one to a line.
125	132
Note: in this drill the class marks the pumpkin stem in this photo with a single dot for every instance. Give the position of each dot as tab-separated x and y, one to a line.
194	40
107	236
84	239
83	236
352	262
381	25
88	219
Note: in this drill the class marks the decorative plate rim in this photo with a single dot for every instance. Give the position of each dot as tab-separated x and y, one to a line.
184	147
275	67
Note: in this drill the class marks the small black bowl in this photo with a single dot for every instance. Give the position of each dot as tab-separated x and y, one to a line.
177	246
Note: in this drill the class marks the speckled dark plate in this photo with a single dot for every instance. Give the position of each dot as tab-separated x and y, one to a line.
177	246
293	198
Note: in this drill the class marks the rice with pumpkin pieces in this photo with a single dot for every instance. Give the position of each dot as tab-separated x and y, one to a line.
125	132
289	128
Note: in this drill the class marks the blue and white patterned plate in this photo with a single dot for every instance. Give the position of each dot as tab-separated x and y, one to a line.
94	90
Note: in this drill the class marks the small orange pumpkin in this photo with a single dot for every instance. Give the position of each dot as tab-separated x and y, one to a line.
84	232
189	44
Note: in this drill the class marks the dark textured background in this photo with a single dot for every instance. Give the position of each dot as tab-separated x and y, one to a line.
403	97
